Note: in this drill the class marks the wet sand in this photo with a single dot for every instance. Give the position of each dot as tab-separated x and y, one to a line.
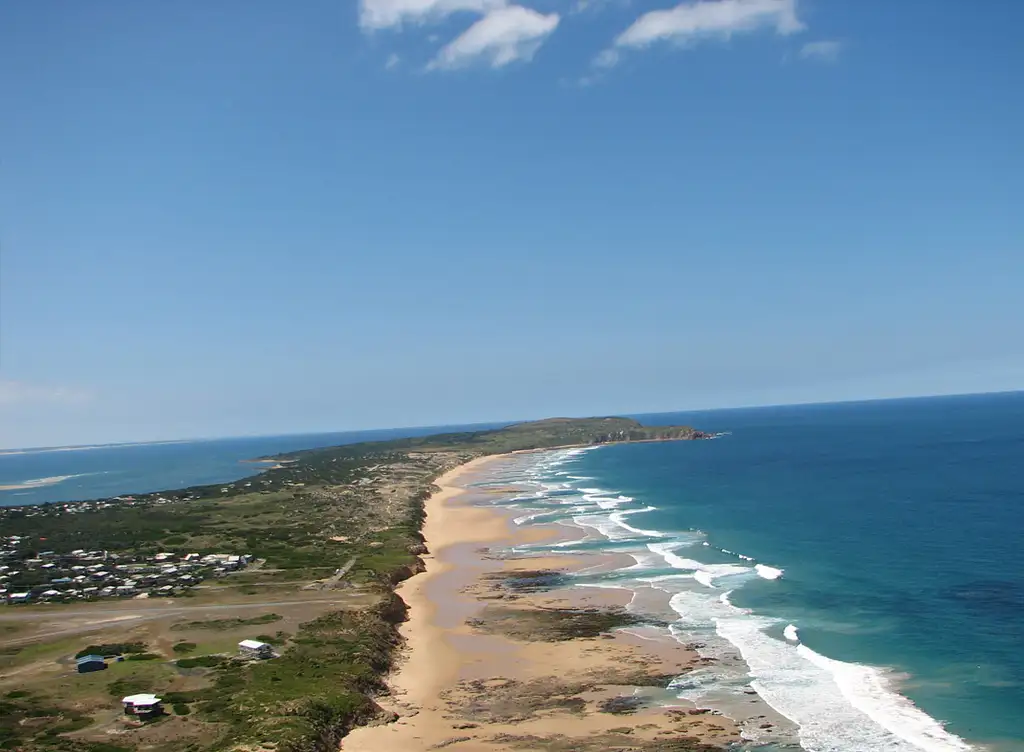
489	667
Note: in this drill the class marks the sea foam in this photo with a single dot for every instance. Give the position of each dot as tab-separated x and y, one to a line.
838	707
768	573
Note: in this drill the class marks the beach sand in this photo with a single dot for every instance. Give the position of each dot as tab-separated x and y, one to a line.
486	667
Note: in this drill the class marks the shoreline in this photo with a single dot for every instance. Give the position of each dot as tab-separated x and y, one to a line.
36	483
264	466
472	677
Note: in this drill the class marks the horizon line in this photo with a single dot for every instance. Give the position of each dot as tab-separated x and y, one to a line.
12	451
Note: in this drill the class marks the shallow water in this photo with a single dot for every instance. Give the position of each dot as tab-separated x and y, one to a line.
80	473
864	559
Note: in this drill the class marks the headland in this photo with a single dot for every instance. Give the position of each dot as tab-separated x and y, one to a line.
305	558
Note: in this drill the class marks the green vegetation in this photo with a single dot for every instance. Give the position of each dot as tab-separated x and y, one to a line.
112	649
308	698
27	723
200	661
224	624
130	685
279	639
346	517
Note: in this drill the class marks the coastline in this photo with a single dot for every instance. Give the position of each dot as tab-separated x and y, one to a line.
472	677
758	650
346	527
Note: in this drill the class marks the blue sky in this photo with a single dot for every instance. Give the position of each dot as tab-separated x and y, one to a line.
251	217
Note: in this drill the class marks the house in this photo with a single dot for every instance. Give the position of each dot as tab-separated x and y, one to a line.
142	705
255	649
88	663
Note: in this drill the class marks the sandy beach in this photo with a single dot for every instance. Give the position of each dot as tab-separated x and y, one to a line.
489	667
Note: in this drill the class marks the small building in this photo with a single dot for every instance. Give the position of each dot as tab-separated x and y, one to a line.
142	705
88	663
255	649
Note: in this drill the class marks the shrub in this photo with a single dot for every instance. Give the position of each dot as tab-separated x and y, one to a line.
109	650
184	647
200	661
222	624
279	639
129	685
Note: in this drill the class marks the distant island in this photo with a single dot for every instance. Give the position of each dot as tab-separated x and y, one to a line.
302	558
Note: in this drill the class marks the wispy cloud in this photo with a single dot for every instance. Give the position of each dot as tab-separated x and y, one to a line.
826	51
587	6
393	61
19	393
704	19
501	37
385	14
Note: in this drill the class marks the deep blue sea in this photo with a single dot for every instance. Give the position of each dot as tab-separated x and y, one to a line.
80	473
866	560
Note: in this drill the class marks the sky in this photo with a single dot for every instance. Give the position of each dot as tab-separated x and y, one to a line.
244	217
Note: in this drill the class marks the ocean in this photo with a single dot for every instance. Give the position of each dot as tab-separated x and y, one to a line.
94	472
864	559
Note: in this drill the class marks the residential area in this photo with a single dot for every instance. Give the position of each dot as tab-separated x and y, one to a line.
51	576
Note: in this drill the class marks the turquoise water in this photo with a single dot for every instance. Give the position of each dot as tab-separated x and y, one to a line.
79	473
865	560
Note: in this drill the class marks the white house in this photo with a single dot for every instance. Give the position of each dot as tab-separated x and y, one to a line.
255	649
145	705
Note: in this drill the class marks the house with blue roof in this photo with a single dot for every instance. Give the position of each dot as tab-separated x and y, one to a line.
89	663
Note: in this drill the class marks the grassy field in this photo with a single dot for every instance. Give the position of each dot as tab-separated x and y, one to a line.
333	531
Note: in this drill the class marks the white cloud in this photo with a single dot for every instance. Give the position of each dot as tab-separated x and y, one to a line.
589	6
19	393
499	38
385	14
692	21
393	61
826	51
607	59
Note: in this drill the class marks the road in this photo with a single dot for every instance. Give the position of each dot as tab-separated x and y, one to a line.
104	618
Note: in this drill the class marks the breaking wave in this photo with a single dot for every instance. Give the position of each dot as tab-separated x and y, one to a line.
836	706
